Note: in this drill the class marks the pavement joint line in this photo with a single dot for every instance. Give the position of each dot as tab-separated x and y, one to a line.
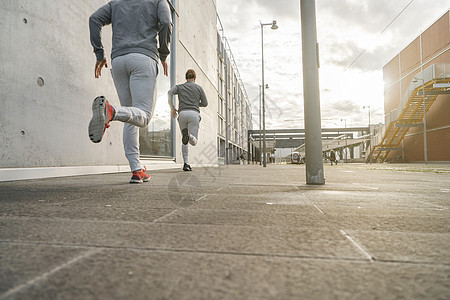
359	247
318	209
321	188
75	220
220	189
165	216
238	210
202	197
176	179
68	201
432	204
48	273
116	206
198	251
403	232
366	187
99	248
211	225
426	208
259	184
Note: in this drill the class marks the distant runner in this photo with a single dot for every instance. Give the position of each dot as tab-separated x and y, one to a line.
191	97
333	158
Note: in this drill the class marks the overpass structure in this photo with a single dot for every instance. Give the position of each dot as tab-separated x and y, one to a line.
295	138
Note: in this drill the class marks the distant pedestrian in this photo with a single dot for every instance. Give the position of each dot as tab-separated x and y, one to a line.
135	53
333	158
191	97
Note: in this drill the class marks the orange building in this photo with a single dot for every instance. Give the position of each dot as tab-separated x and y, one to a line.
418	75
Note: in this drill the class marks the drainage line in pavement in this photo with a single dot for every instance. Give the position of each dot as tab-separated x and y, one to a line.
49	273
357	245
218	252
318	209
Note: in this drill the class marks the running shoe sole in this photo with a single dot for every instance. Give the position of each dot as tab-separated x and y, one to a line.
136	180
185	138
97	123
139	180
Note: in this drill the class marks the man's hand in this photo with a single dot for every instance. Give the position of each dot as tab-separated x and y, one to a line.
174	113
165	67
98	67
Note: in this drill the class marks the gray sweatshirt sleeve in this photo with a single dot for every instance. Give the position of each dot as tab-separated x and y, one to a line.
165	29
173	91
97	20
203	100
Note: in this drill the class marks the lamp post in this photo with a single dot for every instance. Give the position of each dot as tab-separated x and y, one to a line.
345	137
267	86
274	26
260	89
311	94
370	134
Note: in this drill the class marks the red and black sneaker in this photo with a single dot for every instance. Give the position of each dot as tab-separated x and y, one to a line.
102	114
140	176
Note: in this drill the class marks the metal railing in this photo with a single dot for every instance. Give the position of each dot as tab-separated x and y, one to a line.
432	73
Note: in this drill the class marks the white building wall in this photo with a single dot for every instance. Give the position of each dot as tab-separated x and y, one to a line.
197	49
46	126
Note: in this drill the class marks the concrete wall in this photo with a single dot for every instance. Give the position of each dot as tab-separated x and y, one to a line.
197	49
46	126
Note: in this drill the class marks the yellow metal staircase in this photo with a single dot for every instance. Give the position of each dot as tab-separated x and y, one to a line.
411	110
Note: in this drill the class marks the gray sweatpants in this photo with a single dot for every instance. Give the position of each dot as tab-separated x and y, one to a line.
189	119
134	77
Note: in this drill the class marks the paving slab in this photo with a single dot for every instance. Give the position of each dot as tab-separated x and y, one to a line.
232	232
141	274
282	241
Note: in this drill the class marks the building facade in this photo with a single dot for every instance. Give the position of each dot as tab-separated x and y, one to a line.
47	87
421	71
234	117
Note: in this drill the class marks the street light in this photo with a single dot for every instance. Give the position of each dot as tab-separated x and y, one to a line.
267	86
370	135
345	137
273	26
425	148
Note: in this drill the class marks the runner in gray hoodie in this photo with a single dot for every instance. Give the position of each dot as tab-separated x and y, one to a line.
135	53
191	97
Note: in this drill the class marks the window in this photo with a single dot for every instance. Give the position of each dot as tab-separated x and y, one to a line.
220	106
155	139
220	126
220	66
220	86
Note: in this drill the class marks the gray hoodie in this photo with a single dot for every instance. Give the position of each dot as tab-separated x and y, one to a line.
135	25
191	96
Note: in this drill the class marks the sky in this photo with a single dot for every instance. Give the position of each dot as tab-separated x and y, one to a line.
345	29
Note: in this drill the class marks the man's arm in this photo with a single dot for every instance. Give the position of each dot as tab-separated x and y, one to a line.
164	32
203	100
170	94
97	20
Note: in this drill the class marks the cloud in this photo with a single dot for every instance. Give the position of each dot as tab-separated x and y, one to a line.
345	28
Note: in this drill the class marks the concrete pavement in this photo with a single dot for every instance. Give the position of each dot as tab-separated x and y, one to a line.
234	232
